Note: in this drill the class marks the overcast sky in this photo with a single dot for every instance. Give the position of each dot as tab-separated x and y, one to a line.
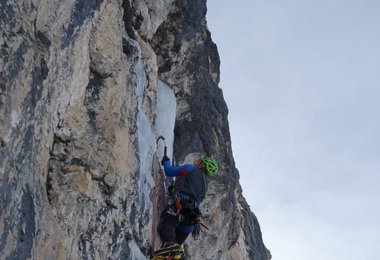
302	82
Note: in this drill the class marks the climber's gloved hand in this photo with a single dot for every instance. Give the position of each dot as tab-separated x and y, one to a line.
164	159
199	215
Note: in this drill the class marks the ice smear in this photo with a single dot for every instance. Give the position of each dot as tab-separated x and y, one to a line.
165	120
136	253
146	138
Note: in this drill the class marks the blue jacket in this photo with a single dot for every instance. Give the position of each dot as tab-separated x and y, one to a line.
189	180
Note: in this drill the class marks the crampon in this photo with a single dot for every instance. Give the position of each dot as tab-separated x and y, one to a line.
171	252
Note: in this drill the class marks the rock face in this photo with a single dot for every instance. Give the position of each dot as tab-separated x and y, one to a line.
79	89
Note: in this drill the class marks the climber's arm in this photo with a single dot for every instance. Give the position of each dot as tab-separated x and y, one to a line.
177	171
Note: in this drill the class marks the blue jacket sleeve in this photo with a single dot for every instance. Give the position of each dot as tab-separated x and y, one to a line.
177	171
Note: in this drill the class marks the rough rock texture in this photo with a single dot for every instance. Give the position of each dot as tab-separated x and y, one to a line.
78	95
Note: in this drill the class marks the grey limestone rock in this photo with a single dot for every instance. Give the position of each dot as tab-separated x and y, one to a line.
78	96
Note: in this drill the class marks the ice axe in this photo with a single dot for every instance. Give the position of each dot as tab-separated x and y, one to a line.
165	151
163	139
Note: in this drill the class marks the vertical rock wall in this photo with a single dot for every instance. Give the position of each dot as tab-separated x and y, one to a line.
70	159
78	96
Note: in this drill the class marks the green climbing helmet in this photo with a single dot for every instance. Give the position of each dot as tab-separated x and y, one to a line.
211	165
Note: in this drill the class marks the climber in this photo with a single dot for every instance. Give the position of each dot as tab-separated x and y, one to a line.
182	215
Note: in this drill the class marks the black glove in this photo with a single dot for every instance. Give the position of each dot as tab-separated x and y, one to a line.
193	216
164	159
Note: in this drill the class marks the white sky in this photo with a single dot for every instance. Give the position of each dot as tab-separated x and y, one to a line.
302	82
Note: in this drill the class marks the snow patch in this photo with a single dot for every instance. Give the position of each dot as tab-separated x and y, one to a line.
15	118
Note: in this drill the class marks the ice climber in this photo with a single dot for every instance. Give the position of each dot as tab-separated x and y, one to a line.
182	215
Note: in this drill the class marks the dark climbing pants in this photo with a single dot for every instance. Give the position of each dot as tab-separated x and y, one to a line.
169	229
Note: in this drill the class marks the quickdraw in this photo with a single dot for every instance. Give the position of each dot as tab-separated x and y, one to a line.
178	204
198	227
